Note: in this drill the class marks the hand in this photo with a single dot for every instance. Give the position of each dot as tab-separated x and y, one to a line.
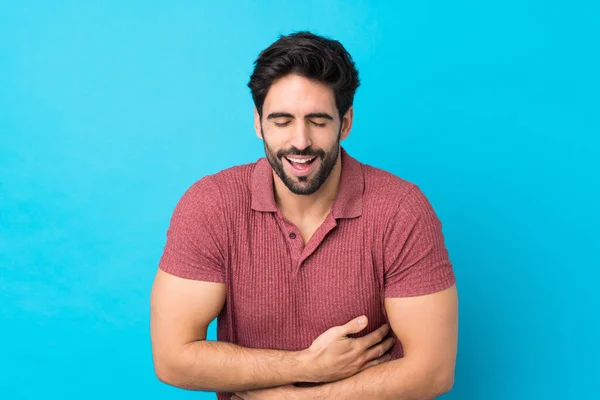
334	356
287	392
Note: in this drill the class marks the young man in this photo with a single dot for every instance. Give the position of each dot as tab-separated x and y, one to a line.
307	257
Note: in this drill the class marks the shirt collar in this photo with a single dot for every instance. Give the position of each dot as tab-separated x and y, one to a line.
349	200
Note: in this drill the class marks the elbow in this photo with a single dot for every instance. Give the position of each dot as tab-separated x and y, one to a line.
443	381
171	373
433	382
165	372
445	384
163	375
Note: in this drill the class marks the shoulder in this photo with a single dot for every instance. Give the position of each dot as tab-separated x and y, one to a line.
385	189
388	197
226	187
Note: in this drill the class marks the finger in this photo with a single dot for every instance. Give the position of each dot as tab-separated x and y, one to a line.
374	337
377	361
379	349
354	326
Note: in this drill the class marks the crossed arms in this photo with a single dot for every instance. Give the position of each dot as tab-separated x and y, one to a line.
427	326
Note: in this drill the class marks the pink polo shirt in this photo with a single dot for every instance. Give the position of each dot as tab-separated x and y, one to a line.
381	239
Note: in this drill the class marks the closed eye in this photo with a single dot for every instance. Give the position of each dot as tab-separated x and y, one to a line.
282	124
318	124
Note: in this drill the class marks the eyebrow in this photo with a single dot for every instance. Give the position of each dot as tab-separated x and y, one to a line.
288	115
320	115
279	115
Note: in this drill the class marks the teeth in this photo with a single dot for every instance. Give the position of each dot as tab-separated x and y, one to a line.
296	160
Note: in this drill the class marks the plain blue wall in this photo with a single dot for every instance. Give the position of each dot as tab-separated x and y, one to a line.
109	111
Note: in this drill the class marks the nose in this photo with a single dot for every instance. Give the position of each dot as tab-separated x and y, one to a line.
301	137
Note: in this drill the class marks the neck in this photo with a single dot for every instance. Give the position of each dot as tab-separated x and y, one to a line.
316	205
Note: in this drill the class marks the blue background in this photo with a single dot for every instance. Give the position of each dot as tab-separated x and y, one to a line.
109	111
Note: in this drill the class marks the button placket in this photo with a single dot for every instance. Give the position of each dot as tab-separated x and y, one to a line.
295	244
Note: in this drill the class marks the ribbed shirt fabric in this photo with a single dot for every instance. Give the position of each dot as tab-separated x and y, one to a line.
381	239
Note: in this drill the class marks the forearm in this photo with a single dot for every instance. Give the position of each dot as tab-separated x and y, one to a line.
225	367
400	379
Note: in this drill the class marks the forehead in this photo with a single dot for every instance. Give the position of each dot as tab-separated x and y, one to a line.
299	95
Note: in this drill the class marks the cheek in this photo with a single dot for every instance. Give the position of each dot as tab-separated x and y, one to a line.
272	144
277	138
271	139
326	139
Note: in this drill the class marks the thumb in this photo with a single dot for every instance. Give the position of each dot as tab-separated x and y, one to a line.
355	326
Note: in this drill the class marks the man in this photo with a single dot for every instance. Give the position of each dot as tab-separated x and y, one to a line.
307	257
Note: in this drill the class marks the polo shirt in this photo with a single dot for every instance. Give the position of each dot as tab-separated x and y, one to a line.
381	239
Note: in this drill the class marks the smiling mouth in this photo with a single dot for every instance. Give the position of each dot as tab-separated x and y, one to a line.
301	166
299	162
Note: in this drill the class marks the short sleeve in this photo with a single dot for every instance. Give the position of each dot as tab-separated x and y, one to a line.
415	256
196	238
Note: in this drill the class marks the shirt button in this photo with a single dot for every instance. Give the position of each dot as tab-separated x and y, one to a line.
292	235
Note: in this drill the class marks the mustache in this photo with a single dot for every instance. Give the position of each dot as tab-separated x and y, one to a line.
306	152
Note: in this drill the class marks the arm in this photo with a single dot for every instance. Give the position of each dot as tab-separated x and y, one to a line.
427	327
421	302
181	310
189	292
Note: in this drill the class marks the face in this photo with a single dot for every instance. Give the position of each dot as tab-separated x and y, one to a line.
301	130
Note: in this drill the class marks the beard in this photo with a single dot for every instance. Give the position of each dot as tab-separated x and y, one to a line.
304	185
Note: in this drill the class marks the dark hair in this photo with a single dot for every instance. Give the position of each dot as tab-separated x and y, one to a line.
311	56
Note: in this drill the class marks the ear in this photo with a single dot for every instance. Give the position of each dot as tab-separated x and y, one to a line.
347	123
257	127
